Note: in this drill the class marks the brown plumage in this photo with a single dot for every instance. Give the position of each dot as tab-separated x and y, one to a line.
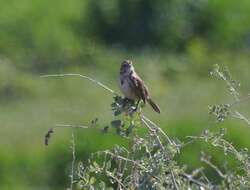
133	86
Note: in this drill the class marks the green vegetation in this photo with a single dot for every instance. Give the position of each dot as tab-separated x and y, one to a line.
148	160
173	45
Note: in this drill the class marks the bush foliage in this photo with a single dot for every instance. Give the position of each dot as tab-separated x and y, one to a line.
149	162
39	38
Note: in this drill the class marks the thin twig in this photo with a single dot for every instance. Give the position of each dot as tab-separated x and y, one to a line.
231	149
73	162
116	179
71	126
205	178
82	76
238	115
157	127
197	182
214	167
229	84
126	159
240	100
110	174
174	181
131	161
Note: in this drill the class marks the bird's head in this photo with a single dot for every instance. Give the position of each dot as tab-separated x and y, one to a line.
126	67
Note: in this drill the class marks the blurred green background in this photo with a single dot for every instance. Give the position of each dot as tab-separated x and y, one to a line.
173	44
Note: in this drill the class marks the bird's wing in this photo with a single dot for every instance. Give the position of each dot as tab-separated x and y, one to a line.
139	88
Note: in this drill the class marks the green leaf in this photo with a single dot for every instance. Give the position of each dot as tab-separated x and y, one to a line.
102	185
108	165
92	180
116	123
117	112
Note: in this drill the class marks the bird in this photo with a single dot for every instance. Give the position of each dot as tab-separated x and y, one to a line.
133	87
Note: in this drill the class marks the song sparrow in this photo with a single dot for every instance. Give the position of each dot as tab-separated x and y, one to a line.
133	87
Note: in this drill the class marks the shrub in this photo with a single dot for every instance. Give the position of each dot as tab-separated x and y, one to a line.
149	162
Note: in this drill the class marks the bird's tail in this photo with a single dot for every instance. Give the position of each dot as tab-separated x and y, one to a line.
154	105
